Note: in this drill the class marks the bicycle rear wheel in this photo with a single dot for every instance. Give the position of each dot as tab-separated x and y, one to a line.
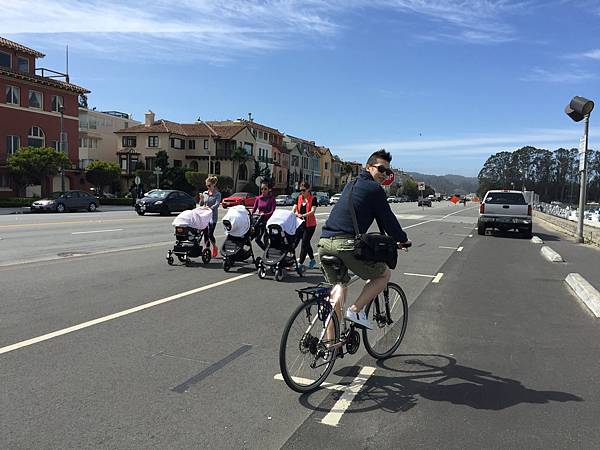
388	313
304	359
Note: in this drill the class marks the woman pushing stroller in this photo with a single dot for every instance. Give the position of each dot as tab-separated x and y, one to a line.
211	198
265	204
305	209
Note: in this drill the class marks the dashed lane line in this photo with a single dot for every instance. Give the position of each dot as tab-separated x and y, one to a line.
97	231
437	278
325	385
419	275
126	312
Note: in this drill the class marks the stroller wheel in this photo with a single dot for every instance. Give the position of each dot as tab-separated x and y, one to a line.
301	270
170	260
181	258
227	265
279	275
188	261
262	272
206	255
258	262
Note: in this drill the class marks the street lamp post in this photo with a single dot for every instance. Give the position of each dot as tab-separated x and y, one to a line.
580	108
61	146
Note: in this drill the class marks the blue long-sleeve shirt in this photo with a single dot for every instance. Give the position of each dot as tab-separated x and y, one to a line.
370	203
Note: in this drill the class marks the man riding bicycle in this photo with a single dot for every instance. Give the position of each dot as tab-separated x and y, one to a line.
337	238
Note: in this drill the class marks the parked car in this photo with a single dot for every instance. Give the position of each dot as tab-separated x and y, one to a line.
239	198
164	202
505	210
284	200
392	199
334	198
424	202
322	198
66	201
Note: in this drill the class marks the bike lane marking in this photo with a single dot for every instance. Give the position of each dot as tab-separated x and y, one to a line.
333	417
325	384
126	312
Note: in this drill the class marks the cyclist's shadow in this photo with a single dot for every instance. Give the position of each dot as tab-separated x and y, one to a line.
436	378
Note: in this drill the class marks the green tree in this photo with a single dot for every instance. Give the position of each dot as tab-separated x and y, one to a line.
196	179
410	189
175	178
239	156
31	165
101	173
162	160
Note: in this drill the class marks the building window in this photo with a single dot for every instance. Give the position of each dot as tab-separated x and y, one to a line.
192	144
36	137
150	163
152	141
248	148
177	143
5	60
35	99
326	166
194	166
215	167
57	103
4	180
129	141
205	144
22	65
243	175
12	144
13	95
176	163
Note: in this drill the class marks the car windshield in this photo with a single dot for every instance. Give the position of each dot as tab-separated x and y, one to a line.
239	194
55	195
505	198
282	197
158	194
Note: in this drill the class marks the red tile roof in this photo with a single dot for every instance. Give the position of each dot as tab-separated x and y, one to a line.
57	84
21	48
215	129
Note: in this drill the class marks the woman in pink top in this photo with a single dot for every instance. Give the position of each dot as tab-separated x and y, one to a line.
265	204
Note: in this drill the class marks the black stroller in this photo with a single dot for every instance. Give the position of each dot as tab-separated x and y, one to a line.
239	248
280	254
190	230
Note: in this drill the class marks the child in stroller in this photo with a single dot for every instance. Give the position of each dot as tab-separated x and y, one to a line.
240	228
280	253
191	227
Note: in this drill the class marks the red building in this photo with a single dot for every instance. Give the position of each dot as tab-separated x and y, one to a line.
31	100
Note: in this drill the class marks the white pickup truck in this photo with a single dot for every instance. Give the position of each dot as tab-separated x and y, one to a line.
505	210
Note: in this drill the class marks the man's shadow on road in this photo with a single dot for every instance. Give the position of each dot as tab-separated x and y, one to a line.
436	378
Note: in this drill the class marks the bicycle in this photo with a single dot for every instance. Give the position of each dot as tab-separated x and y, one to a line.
312	336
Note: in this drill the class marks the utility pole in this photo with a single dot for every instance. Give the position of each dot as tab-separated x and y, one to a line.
61	146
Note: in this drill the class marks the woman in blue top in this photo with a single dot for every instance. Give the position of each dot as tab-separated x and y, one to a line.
211	198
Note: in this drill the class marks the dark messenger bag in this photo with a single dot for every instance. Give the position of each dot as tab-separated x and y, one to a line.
376	247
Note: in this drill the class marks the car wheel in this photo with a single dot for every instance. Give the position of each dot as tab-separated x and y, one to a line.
92	207
480	230
60	208
140	212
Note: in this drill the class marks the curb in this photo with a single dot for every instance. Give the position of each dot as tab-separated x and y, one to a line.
585	292
551	255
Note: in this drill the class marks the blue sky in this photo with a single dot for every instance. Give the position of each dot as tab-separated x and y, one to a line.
441	84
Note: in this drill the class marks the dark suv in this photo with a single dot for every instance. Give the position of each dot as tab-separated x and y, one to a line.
66	201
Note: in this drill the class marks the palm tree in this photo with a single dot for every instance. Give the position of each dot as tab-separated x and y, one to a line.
240	156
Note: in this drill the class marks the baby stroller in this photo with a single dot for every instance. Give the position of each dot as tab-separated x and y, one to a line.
240	229
281	249
191	227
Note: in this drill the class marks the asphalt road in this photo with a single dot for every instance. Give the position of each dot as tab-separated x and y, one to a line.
116	349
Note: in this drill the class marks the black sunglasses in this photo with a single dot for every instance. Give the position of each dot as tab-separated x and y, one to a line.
264	189
383	169
302	190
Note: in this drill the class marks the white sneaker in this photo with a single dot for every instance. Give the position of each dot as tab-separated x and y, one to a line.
359	318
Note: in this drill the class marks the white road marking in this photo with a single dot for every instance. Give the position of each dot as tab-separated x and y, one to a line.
468	228
97	231
461	235
409	216
437	278
333	417
326	385
459	249
419	275
449	248
470	235
322	214
126	312
437	220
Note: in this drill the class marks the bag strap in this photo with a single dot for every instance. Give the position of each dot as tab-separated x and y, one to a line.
353	213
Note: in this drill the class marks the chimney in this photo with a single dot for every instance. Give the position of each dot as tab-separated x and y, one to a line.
149	118
250	119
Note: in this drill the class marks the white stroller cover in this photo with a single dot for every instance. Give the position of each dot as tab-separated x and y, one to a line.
197	218
239	217
286	219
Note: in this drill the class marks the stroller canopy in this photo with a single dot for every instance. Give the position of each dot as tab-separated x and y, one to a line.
239	218
197	218
286	220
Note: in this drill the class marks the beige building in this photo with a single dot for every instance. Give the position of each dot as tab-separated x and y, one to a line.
97	138
206	147
326	167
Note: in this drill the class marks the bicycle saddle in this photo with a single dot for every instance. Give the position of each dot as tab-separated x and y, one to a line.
330	260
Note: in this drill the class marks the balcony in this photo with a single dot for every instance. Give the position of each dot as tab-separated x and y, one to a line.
223	153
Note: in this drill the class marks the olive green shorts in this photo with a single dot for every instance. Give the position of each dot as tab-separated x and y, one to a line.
343	248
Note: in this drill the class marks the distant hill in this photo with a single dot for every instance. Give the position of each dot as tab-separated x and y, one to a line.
449	184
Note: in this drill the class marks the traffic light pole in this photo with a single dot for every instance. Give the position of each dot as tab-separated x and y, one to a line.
583	180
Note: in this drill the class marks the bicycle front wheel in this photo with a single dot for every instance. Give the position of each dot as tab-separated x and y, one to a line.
305	358
388	313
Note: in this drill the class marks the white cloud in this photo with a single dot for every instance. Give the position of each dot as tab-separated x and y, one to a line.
218	30
560	76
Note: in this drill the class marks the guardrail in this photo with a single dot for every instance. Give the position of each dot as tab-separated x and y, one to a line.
591	235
